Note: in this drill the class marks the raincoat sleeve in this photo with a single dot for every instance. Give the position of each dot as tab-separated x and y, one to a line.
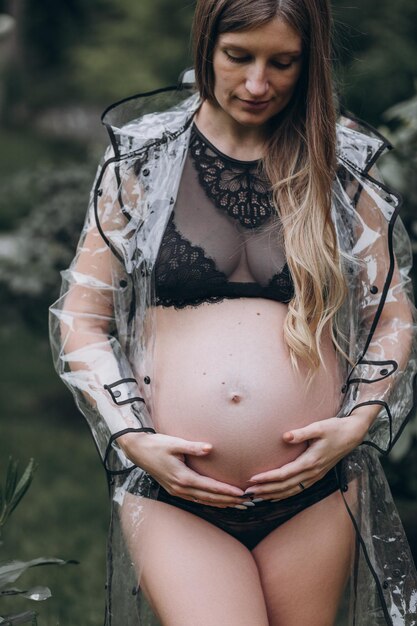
383	344
88	338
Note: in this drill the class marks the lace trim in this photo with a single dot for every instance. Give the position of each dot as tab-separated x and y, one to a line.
238	187
185	276
182	263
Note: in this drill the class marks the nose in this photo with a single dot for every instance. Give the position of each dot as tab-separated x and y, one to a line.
256	81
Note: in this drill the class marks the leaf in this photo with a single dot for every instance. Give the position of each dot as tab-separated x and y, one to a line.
38	594
11	479
28	617
35	593
11	591
23	485
15	490
10	572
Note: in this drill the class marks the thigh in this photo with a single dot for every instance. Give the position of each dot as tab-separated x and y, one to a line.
305	563
191	571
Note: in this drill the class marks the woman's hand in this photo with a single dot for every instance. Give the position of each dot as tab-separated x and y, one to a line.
328	442
163	457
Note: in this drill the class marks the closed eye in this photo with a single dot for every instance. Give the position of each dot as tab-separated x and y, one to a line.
247	59
234	59
282	66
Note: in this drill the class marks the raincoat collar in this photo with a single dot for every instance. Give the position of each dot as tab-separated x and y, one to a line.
154	117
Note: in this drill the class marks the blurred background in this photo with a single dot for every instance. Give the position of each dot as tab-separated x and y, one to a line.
61	64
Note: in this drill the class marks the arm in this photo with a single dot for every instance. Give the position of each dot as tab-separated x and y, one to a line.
87	352
380	385
88	338
379	388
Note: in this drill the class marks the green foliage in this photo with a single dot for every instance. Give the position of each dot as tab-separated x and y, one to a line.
10	496
402	474
401	166
28	617
65	512
96	52
45	36
143	46
53	203
376	42
24	150
14	490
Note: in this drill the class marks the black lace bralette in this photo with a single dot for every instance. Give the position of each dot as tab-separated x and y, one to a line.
223	238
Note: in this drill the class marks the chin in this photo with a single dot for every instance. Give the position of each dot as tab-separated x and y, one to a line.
252	121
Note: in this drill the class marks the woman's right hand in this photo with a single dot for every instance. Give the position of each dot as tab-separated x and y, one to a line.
163	457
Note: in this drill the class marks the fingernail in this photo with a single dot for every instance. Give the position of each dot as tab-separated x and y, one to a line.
256	500
248	503
278	500
240	507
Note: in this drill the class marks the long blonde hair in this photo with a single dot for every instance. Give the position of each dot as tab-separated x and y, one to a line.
300	161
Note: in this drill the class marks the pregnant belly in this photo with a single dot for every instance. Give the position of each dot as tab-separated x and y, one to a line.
222	374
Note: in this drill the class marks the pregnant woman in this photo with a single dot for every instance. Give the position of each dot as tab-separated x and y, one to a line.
237	326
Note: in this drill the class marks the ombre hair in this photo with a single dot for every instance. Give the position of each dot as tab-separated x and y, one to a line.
300	160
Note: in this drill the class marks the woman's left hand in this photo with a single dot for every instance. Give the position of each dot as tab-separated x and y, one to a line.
328	440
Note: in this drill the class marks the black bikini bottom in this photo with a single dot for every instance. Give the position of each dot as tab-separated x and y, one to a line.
252	525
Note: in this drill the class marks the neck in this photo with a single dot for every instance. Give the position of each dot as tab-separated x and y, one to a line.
230	137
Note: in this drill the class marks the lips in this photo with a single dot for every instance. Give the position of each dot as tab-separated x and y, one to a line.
255	105
255	102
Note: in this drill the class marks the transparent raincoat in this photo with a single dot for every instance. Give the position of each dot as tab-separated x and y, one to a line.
103	329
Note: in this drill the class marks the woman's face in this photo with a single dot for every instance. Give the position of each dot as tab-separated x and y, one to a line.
256	71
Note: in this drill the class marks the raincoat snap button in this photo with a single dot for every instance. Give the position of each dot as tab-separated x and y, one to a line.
396	573
99	192
147	380
374	289
345	488
384	372
385	584
123	283
146	172
344	388
117	394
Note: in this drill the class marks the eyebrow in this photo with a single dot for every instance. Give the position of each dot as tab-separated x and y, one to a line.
276	54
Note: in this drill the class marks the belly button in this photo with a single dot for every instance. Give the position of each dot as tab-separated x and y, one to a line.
236	398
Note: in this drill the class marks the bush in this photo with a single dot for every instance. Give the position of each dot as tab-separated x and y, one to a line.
10	496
